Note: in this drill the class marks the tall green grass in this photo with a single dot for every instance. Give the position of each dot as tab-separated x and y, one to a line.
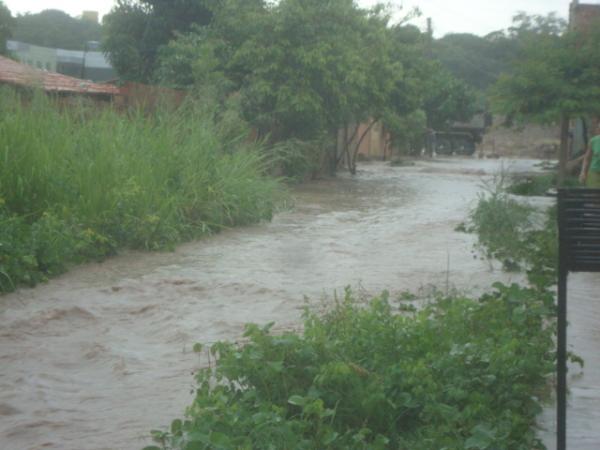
80	182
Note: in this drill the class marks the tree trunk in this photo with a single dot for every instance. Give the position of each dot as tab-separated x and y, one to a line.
563	155
333	156
352	163
347	141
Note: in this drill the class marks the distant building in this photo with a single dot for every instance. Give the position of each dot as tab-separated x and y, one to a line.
582	15
34	56
89	64
90	16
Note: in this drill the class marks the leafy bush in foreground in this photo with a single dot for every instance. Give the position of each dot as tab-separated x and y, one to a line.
79	182
458	374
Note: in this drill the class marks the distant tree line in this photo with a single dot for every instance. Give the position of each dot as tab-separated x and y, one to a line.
6	26
48	28
298	71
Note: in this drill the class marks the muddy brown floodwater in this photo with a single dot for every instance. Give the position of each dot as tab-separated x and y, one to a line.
98	357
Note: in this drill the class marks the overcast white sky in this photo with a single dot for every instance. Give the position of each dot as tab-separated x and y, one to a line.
459	16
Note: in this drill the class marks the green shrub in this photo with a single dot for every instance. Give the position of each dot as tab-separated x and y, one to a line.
506	231
32	251
500	224
78	183
458	374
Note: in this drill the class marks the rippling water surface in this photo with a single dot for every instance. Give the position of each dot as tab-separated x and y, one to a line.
98	357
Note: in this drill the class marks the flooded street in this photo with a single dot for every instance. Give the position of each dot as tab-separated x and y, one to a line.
100	356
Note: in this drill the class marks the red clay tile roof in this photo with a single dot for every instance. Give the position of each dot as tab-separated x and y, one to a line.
15	73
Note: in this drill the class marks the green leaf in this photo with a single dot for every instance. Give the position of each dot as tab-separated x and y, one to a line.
198	437
277	366
481	438
297	400
176	426
220	440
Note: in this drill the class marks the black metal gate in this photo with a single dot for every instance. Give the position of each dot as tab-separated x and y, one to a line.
579	251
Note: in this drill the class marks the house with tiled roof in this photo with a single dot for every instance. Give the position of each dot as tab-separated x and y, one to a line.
21	75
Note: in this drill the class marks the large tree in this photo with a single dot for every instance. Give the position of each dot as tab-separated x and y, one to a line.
54	28
135	30
445	98
556	78
6	26
303	68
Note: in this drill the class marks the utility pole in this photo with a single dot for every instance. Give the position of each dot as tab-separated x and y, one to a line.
430	138
563	152
429	38
85	50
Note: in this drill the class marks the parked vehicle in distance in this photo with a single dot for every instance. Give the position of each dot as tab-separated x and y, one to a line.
455	143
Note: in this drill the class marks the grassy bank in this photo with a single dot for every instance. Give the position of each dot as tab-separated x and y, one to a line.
80	183
460	373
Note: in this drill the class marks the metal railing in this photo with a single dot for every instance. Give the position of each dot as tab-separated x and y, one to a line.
579	251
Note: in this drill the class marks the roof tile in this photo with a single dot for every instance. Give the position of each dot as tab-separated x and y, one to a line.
13	72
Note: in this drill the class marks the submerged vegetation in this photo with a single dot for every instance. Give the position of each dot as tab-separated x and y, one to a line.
459	373
79	183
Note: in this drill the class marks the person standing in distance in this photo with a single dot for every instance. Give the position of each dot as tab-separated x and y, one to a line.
590	171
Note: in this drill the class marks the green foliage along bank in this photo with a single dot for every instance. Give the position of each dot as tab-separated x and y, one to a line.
79	183
521	236
459	374
518	236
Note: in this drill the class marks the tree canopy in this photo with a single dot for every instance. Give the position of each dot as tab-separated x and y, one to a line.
556	74
555	77
305	65
54	28
476	60
298	69
135	30
479	61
